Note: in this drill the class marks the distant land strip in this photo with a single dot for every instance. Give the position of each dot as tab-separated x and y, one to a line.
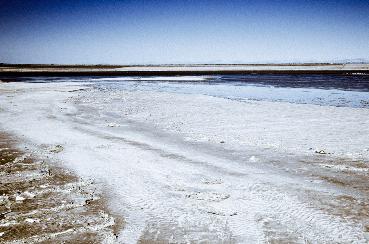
22	70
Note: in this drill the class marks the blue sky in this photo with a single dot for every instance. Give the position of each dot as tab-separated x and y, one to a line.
153	32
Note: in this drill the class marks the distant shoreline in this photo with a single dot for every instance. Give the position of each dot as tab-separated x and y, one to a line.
21	70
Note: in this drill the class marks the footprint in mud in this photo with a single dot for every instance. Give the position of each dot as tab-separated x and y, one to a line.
208	196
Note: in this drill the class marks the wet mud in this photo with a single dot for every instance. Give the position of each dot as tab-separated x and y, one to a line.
40	202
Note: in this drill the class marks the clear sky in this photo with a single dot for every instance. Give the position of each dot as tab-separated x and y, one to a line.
192	31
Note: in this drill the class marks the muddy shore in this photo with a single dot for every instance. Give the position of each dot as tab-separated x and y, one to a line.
40	202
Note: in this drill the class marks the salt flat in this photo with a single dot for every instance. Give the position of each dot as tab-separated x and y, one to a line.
190	167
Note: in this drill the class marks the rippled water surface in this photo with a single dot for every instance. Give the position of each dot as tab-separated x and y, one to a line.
331	90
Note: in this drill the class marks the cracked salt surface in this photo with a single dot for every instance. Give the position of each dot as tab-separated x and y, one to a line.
172	180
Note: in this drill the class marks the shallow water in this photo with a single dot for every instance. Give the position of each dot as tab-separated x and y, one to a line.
320	90
324	90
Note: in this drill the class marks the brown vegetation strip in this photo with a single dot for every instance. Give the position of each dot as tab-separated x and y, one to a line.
175	73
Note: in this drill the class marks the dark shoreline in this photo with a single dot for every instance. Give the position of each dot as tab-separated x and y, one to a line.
177	73
42	70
